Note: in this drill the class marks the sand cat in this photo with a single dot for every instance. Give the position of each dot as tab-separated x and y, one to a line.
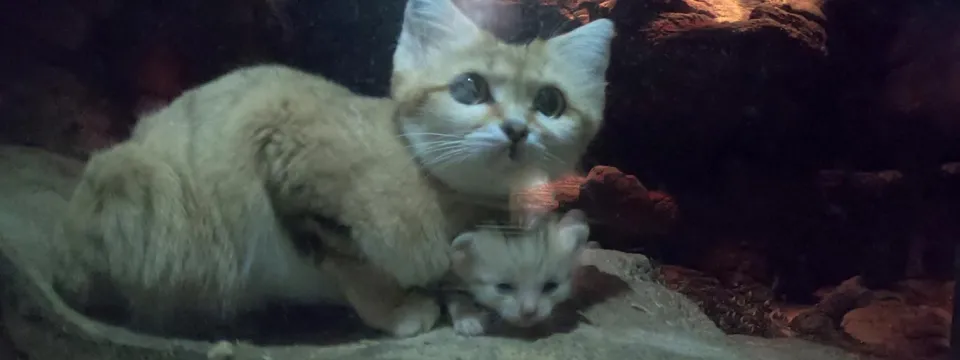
519	274
188	220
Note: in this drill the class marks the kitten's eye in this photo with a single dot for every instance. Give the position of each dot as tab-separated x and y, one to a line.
504	288
550	101
470	89
550	286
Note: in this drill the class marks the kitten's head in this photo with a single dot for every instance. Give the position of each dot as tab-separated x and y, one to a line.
522	275
476	109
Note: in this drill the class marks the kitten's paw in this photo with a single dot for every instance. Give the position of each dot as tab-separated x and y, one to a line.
469	326
417	315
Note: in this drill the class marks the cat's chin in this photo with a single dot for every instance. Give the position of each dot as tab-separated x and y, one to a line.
475	177
489	175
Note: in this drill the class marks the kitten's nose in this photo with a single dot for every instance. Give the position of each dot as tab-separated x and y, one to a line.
515	130
528	314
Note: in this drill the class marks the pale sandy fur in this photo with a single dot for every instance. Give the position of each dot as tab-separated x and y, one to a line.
187	210
186	221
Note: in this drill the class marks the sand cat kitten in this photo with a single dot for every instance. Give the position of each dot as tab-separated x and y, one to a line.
518	274
188	216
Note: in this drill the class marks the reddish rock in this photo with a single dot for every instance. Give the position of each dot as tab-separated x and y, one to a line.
620	209
736	307
899	330
909	321
611	194
510	19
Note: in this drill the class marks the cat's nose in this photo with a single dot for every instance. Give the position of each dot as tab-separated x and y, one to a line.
515	130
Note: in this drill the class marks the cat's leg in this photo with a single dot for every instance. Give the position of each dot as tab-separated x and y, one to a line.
379	301
467	317
396	219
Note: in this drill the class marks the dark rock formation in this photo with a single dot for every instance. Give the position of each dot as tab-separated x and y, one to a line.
695	82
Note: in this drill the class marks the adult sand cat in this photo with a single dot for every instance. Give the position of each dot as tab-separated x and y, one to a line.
189	216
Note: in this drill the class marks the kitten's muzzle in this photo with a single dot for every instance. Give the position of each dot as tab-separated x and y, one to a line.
527	317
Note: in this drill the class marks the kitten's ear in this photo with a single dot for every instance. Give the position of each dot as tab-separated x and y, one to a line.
460	247
431	27
586	48
573	231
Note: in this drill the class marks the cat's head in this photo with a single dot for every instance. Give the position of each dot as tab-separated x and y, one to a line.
476	110
522	275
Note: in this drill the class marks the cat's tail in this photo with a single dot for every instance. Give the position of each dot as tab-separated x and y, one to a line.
25	281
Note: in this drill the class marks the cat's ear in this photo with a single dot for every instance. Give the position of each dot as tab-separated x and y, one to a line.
431	27
573	231
586	48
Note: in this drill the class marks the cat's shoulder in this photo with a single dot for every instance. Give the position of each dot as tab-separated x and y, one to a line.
247	88
274	81
222	104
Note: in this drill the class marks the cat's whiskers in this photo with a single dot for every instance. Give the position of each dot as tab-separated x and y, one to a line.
547	155
442	135
452	156
441	160
433	146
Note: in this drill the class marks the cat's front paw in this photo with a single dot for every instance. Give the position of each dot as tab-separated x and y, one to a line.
417	314
469	325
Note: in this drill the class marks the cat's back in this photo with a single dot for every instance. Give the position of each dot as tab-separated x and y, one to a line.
213	113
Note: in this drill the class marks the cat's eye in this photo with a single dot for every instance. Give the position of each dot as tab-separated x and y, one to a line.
550	102
470	89
504	288
550	286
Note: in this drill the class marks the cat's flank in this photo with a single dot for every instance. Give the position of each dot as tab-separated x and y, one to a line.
518	274
190	217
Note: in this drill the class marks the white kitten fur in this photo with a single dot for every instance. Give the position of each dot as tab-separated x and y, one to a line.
522	276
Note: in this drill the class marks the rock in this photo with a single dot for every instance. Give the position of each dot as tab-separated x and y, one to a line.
52	108
59	24
8	350
736	307
694	81
627	317
159	78
621	210
897	92
909	321
900	330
